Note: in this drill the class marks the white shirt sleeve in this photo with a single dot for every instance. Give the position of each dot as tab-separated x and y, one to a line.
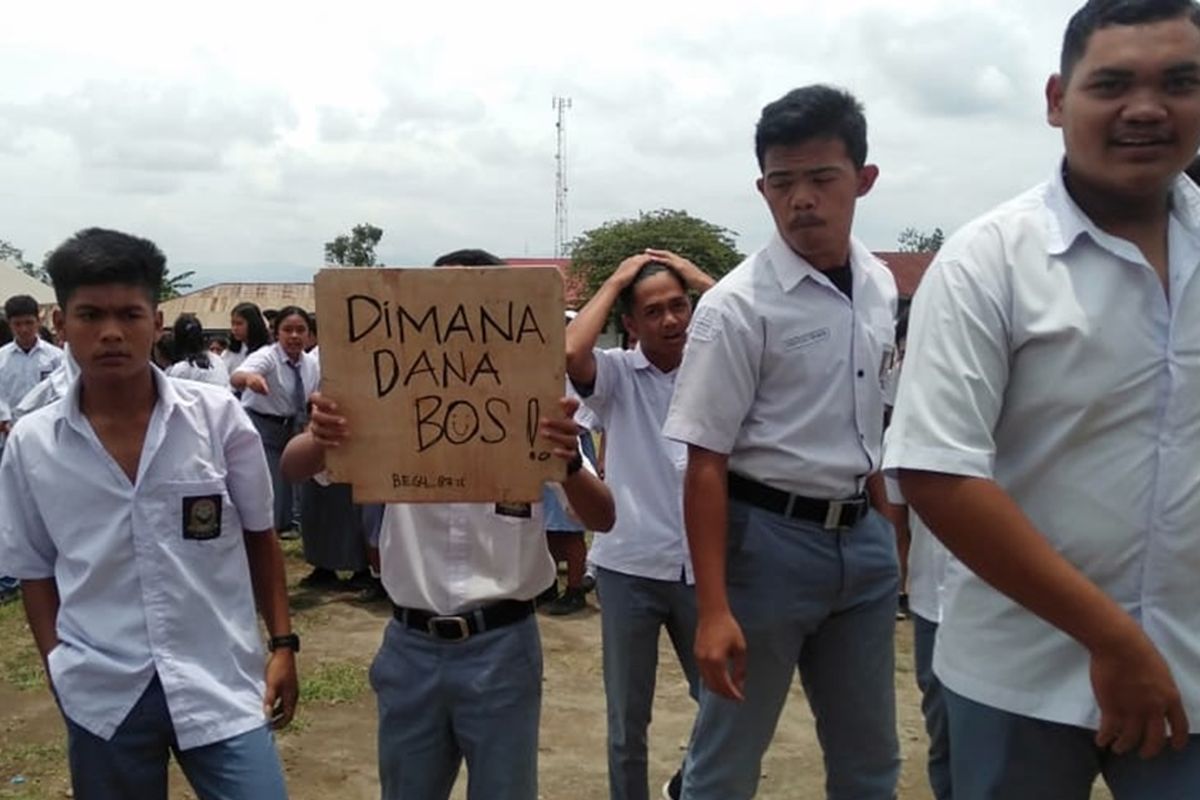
260	362
26	550
718	379
607	380
247	475
955	372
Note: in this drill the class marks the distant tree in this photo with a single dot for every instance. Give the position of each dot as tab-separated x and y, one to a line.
9	252
356	249
175	285
915	241
596	253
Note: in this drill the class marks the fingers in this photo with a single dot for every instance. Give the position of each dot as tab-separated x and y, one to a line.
287	706
269	700
1154	736
1177	719
1107	734
568	405
738	671
322	403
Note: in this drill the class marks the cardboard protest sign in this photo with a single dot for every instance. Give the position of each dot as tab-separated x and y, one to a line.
442	375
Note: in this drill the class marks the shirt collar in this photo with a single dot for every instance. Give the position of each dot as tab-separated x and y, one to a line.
790	268
168	399
639	358
1066	221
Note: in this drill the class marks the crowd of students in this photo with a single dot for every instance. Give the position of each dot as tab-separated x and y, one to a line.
1045	430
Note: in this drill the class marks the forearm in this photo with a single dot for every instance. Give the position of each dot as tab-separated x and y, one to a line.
302	458
238	379
269	580
585	330
41	610
706	515
591	500
985	529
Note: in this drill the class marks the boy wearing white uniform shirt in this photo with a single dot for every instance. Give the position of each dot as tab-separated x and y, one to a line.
25	361
141	582
643	570
1047	429
780	401
459	673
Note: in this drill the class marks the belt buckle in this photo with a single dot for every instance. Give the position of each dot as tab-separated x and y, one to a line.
455	630
833	514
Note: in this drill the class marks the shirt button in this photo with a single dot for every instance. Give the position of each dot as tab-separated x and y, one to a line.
860	373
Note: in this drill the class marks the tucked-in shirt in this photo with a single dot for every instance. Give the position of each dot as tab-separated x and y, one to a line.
785	375
214	374
152	575
453	557
21	370
273	364
1043	354
52	388
643	468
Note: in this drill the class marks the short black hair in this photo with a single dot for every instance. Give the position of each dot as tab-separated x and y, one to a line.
290	311
6	335
813	112
97	256
470	257
1097	14
20	305
257	334
625	299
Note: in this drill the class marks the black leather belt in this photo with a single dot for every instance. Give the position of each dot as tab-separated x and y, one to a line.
456	627
273	417
831	514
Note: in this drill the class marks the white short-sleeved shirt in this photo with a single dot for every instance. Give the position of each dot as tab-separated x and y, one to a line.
22	370
215	374
643	468
233	360
272	363
1043	354
152	576
928	558
785	375
52	388
453	557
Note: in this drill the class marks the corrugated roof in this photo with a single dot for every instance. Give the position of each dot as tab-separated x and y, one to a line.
212	304
13	282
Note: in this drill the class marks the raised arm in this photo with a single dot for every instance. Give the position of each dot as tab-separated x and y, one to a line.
585	329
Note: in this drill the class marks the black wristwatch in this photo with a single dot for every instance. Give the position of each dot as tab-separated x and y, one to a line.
575	464
291	641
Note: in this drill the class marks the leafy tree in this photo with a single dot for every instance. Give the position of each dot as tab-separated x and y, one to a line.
175	285
596	253
915	241
356	249
11	253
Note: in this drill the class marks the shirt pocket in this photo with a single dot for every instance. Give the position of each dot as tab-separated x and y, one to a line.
198	515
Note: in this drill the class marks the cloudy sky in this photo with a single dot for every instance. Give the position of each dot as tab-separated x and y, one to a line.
242	136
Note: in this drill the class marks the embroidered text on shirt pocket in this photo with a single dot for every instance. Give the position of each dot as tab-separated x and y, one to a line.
802	340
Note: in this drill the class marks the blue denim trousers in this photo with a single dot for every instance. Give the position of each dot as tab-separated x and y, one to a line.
442	702
818	602
133	763
633	611
997	755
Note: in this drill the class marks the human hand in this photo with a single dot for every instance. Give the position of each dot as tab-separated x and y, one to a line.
283	688
257	383
697	279
721	655
563	434
1137	696
5	427
327	426
625	272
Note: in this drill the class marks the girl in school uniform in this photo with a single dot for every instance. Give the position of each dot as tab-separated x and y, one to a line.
275	382
247	333
195	362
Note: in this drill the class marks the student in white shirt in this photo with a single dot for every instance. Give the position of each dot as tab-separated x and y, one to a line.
141	581
275	382
780	401
643	570
26	360
1047	429
247	334
459	673
194	361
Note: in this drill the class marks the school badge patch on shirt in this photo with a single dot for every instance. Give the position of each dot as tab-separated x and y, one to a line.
202	517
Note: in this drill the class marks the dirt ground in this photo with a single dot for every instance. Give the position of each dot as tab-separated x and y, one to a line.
330	749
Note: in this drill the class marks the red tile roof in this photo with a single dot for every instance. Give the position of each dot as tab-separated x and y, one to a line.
907	268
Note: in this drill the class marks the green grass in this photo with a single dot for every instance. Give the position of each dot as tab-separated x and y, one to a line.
36	763
333	682
20	664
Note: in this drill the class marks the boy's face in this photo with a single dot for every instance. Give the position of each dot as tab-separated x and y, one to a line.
1130	111
111	330
811	189
660	316
25	330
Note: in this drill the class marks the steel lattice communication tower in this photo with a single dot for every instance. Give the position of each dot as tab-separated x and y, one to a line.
560	104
